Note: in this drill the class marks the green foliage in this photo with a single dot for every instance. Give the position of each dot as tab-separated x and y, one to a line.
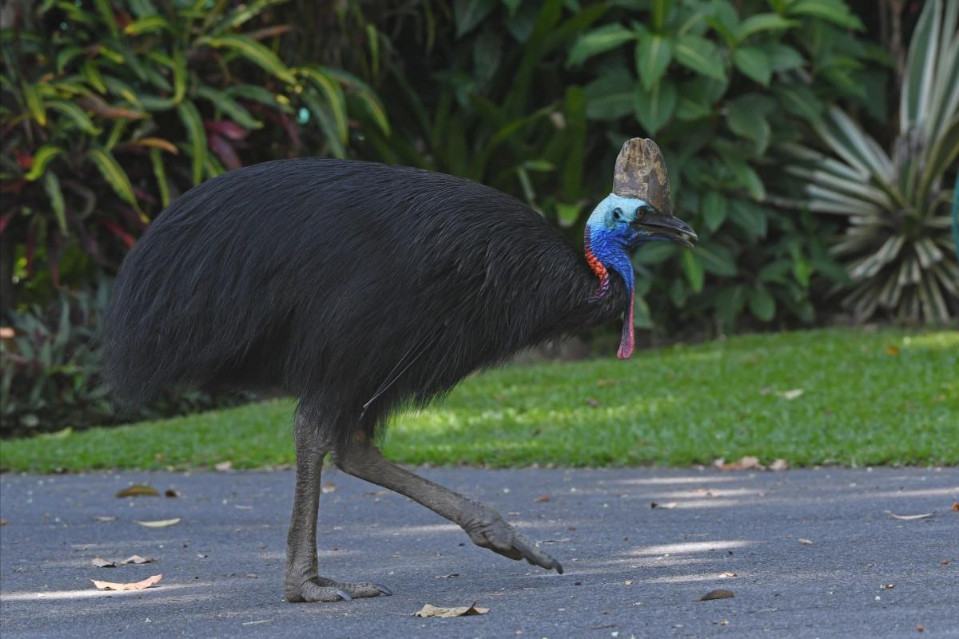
111	109
896	245
49	371
717	84
496	111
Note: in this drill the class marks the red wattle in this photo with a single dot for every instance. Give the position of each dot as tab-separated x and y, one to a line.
628	340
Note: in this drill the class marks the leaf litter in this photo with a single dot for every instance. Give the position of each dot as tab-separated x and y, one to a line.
137	585
163	523
431	611
138	490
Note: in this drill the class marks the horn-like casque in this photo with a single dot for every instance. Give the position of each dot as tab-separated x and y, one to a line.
641	173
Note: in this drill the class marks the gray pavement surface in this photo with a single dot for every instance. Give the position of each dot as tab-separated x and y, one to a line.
631	570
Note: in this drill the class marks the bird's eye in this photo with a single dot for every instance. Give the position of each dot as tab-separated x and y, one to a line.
643	210
618	214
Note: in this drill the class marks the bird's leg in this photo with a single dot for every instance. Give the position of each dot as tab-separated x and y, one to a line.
484	525
303	581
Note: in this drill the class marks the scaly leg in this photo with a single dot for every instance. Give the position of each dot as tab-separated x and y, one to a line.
303	581
484	525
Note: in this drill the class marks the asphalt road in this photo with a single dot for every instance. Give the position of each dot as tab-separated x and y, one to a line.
631	570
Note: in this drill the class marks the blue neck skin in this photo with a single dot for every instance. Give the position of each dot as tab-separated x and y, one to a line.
610	237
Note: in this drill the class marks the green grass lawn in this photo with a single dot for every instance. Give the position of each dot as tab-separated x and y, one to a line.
839	396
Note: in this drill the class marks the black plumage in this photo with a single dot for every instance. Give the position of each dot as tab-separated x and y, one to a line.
359	287
354	286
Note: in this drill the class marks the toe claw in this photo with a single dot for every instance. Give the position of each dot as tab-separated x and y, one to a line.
345	596
383	589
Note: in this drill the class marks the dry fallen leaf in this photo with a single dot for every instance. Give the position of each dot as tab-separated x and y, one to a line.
892	350
138	490
889	586
4	522
445	613
100	562
328	487
792	394
909	517
746	463
452	575
779	464
137	559
223	466
171	492
727	575
717	594
955	507
163	523
542	498
805	542
105	517
139	585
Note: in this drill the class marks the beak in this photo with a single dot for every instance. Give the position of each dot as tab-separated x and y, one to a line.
667	227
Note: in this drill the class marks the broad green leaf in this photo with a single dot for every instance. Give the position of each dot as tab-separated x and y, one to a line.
729	304
44	155
334	98
654	108
34	103
147	25
598	41
196	136
642	318
762	22
800	100
753	63
115	176
251	92
66	55
92	75
469	14
714	208
364	93
179	76
781	57
243	13
106	15
253	51
835	11
159	171
761	304
694	270
716	259
611	95
700	55
229	107
746	118
747	178
51	184
653	54
655	253
749	217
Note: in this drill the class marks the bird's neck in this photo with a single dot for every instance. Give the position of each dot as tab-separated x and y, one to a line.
605	253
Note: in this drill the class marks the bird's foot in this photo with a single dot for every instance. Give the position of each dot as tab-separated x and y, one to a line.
323	589
490	530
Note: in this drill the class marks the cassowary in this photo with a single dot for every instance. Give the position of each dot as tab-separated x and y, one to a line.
358	288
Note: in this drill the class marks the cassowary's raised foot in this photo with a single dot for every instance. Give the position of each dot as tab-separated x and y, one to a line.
484	525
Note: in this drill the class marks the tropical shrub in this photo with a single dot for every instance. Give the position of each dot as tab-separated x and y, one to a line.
719	84
110	109
896	244
49	363
535	98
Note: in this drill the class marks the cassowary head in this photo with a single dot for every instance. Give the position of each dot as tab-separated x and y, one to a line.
637	211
